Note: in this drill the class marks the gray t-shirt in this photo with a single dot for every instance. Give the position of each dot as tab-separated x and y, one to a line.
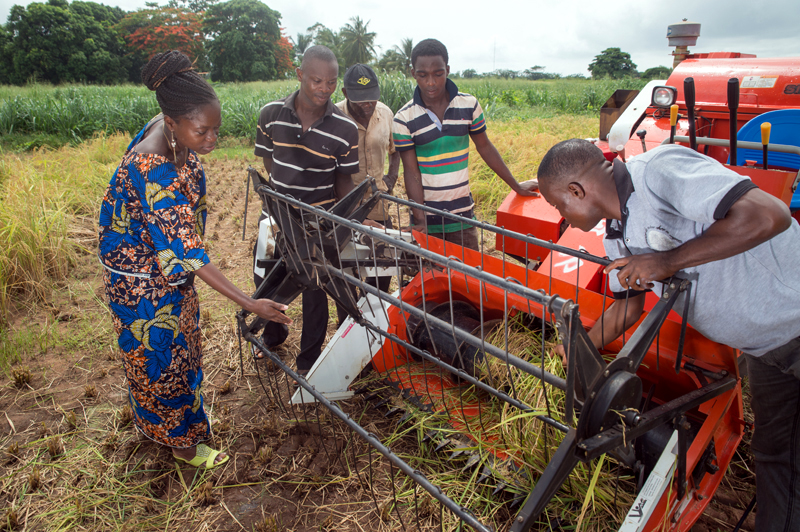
672	194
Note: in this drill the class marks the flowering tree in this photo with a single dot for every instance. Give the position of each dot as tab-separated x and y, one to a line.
284	51
158	29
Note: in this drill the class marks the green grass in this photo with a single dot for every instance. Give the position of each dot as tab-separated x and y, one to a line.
43	115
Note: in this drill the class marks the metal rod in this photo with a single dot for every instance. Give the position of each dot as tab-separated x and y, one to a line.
745	514
460	373
442	325
505	232
748	145
555	302
673	122
246	203
766	128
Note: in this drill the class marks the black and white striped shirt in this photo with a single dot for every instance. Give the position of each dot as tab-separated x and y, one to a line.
304	164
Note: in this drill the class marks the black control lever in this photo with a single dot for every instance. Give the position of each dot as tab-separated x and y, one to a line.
733	108
688	95
641	133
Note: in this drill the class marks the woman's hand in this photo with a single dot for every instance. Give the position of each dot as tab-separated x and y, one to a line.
373	224
269	310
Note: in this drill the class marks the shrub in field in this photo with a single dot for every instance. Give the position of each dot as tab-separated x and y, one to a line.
396	89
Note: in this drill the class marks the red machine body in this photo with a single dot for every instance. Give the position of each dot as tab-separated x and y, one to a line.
766	85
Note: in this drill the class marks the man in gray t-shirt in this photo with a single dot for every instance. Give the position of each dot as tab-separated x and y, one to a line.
674	210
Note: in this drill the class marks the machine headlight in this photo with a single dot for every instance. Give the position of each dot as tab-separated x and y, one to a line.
664	96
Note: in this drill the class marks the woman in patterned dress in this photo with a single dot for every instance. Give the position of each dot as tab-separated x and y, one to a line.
152	222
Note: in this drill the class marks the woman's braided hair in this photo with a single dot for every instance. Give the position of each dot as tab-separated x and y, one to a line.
179	89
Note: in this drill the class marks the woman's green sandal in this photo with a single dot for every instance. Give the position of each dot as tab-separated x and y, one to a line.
204	456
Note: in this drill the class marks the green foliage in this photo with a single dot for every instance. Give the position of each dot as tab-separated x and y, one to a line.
194	6
322	35
398	58
44	115
396	89
243	40
659	72
612	63
536	73
357	43
60	42
6	53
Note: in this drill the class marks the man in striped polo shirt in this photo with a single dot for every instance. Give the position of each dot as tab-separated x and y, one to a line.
432	134
310	151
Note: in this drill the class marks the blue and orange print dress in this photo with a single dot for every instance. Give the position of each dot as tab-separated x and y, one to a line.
152	222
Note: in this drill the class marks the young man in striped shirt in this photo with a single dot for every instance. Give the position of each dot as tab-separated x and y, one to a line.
310	151
432	134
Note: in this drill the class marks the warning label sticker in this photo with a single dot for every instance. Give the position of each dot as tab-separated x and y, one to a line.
759	82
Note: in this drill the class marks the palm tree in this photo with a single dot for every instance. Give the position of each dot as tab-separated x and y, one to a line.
357	42
302	43
404	55
321	34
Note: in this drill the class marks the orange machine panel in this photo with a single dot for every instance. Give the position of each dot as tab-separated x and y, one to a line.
529	216
576	271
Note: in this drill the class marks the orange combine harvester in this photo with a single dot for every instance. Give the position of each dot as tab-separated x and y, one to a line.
664	401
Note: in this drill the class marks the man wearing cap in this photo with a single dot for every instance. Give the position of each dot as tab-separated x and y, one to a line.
374	120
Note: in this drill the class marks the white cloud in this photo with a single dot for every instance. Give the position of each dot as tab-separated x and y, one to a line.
563	36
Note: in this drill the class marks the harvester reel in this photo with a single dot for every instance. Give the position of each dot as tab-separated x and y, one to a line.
307	245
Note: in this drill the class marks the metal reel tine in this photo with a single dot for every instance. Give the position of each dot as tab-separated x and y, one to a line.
486	474
444	443
474	459
499	488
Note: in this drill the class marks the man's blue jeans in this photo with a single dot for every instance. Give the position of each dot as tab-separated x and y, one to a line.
775	390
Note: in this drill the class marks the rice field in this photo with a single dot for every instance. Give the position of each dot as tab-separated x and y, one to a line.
49	204
49	200
39	115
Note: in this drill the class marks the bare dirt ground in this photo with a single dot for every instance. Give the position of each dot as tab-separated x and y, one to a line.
71	458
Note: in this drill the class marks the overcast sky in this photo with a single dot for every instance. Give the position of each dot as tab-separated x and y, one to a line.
561	35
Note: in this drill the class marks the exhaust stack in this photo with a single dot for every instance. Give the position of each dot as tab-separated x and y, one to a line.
682	35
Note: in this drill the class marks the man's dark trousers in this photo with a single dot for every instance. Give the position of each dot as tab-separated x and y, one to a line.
315	326
775	390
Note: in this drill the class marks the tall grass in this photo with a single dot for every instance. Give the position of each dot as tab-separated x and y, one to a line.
74	113
522	144
49	202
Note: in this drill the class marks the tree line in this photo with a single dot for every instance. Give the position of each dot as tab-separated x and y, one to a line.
235	40
58	42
